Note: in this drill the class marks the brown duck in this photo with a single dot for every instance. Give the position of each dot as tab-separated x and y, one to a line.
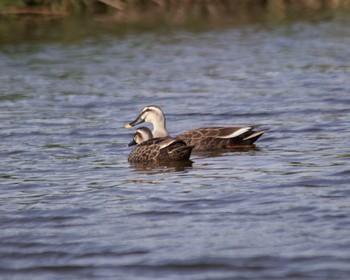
165	149
208	138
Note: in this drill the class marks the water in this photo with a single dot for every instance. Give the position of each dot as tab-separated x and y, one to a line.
72	207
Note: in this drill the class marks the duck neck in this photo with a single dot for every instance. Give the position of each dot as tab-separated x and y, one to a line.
159	129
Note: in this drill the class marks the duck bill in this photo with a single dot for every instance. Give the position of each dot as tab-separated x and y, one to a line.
132	143
135	122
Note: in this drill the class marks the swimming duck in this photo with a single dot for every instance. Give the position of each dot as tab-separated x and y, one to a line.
165	149
204	139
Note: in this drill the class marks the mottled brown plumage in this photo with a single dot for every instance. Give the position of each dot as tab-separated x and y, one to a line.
203	139
211	138
165	149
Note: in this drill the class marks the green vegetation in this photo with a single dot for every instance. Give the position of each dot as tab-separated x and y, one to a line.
48	7
36	19
173	10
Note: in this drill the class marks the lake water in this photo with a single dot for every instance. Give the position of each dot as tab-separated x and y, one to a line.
72	207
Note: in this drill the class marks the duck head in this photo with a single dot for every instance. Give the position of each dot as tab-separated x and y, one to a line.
152	114
141	134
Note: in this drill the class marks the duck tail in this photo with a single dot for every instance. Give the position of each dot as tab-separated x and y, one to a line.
253	136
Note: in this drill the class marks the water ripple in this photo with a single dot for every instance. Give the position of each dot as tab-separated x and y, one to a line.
73	207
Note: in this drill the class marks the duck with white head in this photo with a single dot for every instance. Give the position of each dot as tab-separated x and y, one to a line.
203	139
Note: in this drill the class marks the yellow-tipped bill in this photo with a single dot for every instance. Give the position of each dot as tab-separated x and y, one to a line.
128	126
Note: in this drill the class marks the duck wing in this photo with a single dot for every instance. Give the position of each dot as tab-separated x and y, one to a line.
211	138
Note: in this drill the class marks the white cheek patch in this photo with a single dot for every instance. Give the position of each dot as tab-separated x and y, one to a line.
151	116
147	117
236	133
138	139
144	136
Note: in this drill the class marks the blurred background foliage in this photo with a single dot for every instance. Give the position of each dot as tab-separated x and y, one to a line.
174	10
73	19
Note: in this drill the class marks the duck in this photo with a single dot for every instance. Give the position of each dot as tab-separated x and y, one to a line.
160	149
203	139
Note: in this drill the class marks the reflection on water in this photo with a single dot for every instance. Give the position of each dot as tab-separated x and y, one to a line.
219	152
156	167
73	207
